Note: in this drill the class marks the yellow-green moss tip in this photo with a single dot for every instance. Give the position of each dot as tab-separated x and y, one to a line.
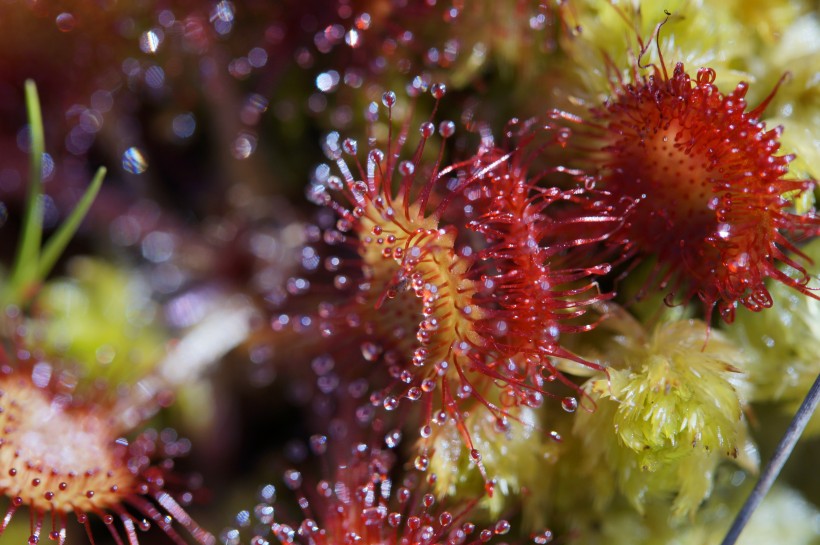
509	456
102	318
673	409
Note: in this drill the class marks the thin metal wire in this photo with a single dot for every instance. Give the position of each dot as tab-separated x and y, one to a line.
772	469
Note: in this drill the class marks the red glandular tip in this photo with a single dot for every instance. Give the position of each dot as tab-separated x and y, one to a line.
707	191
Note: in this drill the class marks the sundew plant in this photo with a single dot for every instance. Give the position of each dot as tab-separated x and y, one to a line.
409	272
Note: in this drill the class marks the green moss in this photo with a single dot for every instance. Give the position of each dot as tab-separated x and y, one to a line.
509	456
102	318
669	413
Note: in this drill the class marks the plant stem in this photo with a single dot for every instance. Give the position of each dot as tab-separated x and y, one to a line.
772	469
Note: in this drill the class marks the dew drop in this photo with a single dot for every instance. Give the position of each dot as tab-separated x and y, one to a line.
446	129
414	393
724	230
318	444
501	527
344	225
267	493
244	145
422	462
438	90
393	438
538	22
419	356
184	125
230	536
133	161
370	350
376	156
406	168
364	414
427	129
389	99
154	77
335	183
391	403
353	38
440	418
66	22
569	404
293	479
150	41
263	513
258	57
317	194
445	519
243	518
350	146
372	516
362	21
223	11
327	81
297	286
543	537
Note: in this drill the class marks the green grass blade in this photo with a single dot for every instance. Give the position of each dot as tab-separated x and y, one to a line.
60	239
25	265
33	223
